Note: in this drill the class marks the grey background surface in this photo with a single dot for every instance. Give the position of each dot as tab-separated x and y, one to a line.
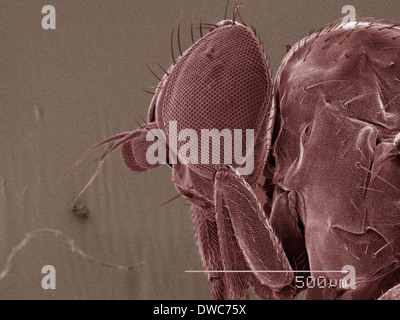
63	90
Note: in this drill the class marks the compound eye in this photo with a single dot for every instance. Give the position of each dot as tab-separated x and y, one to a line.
222	83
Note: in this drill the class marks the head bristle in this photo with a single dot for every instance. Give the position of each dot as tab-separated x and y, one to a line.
191	27
226	10
148	67
179	39
172	45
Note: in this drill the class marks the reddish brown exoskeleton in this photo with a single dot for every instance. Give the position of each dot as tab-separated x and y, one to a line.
336	150
223	82
332	180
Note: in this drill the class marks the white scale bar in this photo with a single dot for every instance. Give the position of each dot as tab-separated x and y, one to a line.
266	271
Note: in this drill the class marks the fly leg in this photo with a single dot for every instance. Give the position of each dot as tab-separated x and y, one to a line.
222	256
207	241
235	266
257	240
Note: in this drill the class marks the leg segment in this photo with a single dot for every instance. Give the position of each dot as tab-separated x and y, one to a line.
255	236
207	241
232	257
